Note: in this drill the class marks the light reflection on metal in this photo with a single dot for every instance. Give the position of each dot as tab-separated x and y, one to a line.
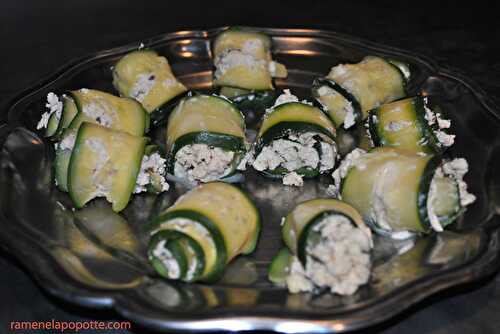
299	52
186	54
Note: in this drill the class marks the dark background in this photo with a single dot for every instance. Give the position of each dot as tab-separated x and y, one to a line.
38	37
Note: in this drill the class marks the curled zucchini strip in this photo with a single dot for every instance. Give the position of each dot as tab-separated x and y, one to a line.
242	58
349	91
104	163
295	140
202	232
399	191
145	76
205	138
329	247
409	124
93	106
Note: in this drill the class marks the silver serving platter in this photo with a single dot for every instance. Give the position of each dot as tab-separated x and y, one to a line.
96	258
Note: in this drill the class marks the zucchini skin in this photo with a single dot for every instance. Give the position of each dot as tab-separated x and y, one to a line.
427	141
280	267
318	82
179	237
216	272
159	116
256	101
365	101
425	167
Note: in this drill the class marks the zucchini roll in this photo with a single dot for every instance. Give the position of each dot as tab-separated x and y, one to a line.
243	62
400	191
202	232
409	124
349	91
88	105
329	247
99	162
205	138
147	77
294	140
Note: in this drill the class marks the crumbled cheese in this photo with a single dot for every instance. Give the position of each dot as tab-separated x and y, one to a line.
286	97
168	260
444	138
247	159
202	163
152	168
340	260
442	123
333	191
325	90
429	116
234	58
338	71
345	165
296	152
141	46
458	168
55	106
142	86
328	156
431	198
397	126
293	179
349	119
84	91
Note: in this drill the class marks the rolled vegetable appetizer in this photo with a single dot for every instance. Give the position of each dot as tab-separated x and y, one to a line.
147	77
205	138
242	58
99	162
88	105
202	232
409	124
399	191
295	140
328	248
349	91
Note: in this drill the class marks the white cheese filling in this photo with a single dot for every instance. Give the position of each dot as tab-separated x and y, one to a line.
341	171
143	85
295	152
432	118
152	171
169	262
203	163
339	261
55	106
456	169
293	179
68	142
234	58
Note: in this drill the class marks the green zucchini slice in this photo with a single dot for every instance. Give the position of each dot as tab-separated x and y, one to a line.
220	218
280	267
371	82
342	107
145	76
296	138
407	124
62	159
56	119
104	163
242	57
323	234
110	111
391	188
205	138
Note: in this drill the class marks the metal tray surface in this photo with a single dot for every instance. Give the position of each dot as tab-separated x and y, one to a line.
100	262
